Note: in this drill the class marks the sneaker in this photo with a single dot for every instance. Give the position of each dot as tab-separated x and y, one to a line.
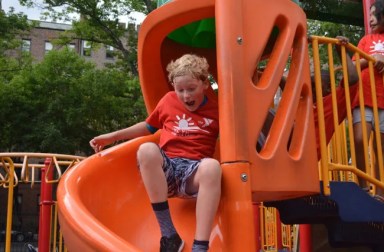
171	244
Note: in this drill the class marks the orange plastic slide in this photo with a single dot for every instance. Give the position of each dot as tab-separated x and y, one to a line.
103	206
102	202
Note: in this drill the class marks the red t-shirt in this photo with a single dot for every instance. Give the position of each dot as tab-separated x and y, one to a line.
328	112
372	44
184	133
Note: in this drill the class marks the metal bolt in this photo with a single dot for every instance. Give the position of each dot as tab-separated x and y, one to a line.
239	40
244	177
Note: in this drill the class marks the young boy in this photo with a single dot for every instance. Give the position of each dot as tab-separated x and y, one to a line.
372	44
182	164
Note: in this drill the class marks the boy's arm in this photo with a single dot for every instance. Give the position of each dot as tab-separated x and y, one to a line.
137	130
351	68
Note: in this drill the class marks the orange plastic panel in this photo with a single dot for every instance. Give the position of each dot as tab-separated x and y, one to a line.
277	172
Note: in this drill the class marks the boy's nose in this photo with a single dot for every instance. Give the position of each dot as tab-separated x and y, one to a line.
186	95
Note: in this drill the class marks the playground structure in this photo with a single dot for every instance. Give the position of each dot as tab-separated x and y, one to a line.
102	201
288	157
239	46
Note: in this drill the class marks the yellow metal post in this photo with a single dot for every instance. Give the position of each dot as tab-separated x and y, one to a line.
11	169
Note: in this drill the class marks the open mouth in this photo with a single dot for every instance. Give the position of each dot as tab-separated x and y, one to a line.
190	103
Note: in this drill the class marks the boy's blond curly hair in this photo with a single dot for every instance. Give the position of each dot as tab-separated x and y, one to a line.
188	64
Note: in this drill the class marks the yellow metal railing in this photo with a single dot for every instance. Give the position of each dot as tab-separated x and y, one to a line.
7	181
338	162
29	165
274	235
269	229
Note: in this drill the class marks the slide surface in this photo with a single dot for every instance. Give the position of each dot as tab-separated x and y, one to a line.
103	206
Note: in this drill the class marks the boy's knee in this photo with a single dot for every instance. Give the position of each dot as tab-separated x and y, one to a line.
148	151
210	168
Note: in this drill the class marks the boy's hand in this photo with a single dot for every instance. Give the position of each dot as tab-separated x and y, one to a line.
99	142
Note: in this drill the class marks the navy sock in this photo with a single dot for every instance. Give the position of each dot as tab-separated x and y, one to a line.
200	246
164	218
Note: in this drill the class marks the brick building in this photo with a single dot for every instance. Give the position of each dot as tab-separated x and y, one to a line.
40	39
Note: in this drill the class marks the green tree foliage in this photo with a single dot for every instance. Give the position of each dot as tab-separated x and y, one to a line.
332	30
62	102
100	24
12	26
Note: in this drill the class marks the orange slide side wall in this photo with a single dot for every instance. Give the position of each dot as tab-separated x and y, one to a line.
102	202
103	205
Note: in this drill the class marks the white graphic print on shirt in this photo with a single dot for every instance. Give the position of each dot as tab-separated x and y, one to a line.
377	47
186	126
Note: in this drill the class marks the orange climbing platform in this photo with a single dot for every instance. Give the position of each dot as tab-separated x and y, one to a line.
102	202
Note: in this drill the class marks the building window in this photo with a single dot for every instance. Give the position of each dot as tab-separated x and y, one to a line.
48	46
71	46
109	52
86	48
26	45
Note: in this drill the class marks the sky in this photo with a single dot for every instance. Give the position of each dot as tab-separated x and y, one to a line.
34	13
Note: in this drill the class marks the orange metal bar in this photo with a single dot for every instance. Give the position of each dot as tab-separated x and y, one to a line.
367	177
9	183
337	158
349	110
279	230
320	113
376	130
54	220
45	207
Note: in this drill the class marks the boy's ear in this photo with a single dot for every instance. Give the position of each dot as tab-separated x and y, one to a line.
206	84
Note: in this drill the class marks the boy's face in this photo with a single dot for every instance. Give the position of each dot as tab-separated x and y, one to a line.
190	91
376	22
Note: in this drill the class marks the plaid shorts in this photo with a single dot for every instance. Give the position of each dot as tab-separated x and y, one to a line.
177	171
